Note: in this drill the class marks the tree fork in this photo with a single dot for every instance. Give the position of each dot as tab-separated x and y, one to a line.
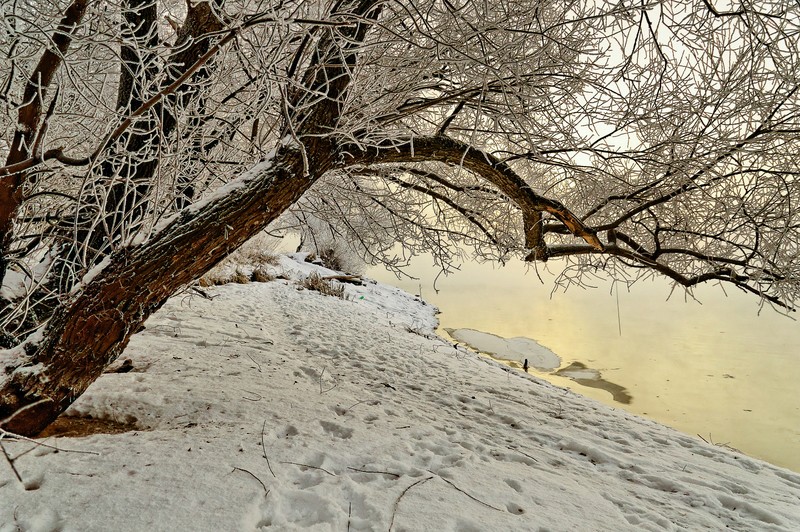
91	329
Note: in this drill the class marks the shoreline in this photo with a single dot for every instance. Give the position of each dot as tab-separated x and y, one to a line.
273	408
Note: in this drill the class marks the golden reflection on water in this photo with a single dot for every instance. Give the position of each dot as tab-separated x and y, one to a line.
715	368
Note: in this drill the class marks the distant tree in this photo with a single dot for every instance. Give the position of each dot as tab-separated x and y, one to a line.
145	140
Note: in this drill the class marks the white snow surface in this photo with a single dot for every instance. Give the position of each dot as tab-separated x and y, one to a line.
13	285
273	408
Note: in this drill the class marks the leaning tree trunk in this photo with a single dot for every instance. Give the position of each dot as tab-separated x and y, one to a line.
91	330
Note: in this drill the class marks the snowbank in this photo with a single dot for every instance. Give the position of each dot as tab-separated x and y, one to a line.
272	408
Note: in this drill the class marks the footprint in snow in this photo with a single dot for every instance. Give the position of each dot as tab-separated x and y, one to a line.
337	431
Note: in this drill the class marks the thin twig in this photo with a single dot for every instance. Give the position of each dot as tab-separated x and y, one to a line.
349	513
260	397
13	436
254	361
266	491
523	453
310	467
470	496
397	502
203	293
335	384
395	475
264	448
346	410
11	463
6	421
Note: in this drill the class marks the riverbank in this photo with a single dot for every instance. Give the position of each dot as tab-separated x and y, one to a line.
273	408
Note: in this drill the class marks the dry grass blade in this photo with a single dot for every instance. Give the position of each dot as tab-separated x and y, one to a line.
318	284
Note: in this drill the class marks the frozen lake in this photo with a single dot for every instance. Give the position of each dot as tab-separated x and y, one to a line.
713	368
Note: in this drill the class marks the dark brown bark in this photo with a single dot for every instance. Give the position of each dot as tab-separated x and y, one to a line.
137	52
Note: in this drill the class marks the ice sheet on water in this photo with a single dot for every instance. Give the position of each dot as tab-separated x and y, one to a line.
518	348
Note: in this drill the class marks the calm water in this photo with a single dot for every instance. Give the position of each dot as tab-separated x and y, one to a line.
715	368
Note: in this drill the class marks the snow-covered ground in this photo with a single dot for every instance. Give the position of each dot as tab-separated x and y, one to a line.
273	408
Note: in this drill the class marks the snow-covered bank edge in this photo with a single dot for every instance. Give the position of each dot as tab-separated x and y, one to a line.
275	408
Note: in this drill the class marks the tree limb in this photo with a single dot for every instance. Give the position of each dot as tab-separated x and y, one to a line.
454	152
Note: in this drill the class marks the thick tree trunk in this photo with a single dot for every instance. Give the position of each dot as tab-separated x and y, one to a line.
92	329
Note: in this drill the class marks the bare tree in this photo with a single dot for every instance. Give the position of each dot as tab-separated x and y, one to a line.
144	140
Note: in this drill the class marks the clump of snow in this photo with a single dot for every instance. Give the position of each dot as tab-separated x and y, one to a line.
89	276
30	370
273	408
17	284
13	286
16	356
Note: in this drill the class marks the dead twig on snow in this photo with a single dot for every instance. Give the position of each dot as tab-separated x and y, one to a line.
335	382
254	361
397	502
13	437
523	453
258	395
310	467
264	448
395	475
468	495
266	491
11	463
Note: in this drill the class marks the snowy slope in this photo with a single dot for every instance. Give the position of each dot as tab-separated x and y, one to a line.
272	408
